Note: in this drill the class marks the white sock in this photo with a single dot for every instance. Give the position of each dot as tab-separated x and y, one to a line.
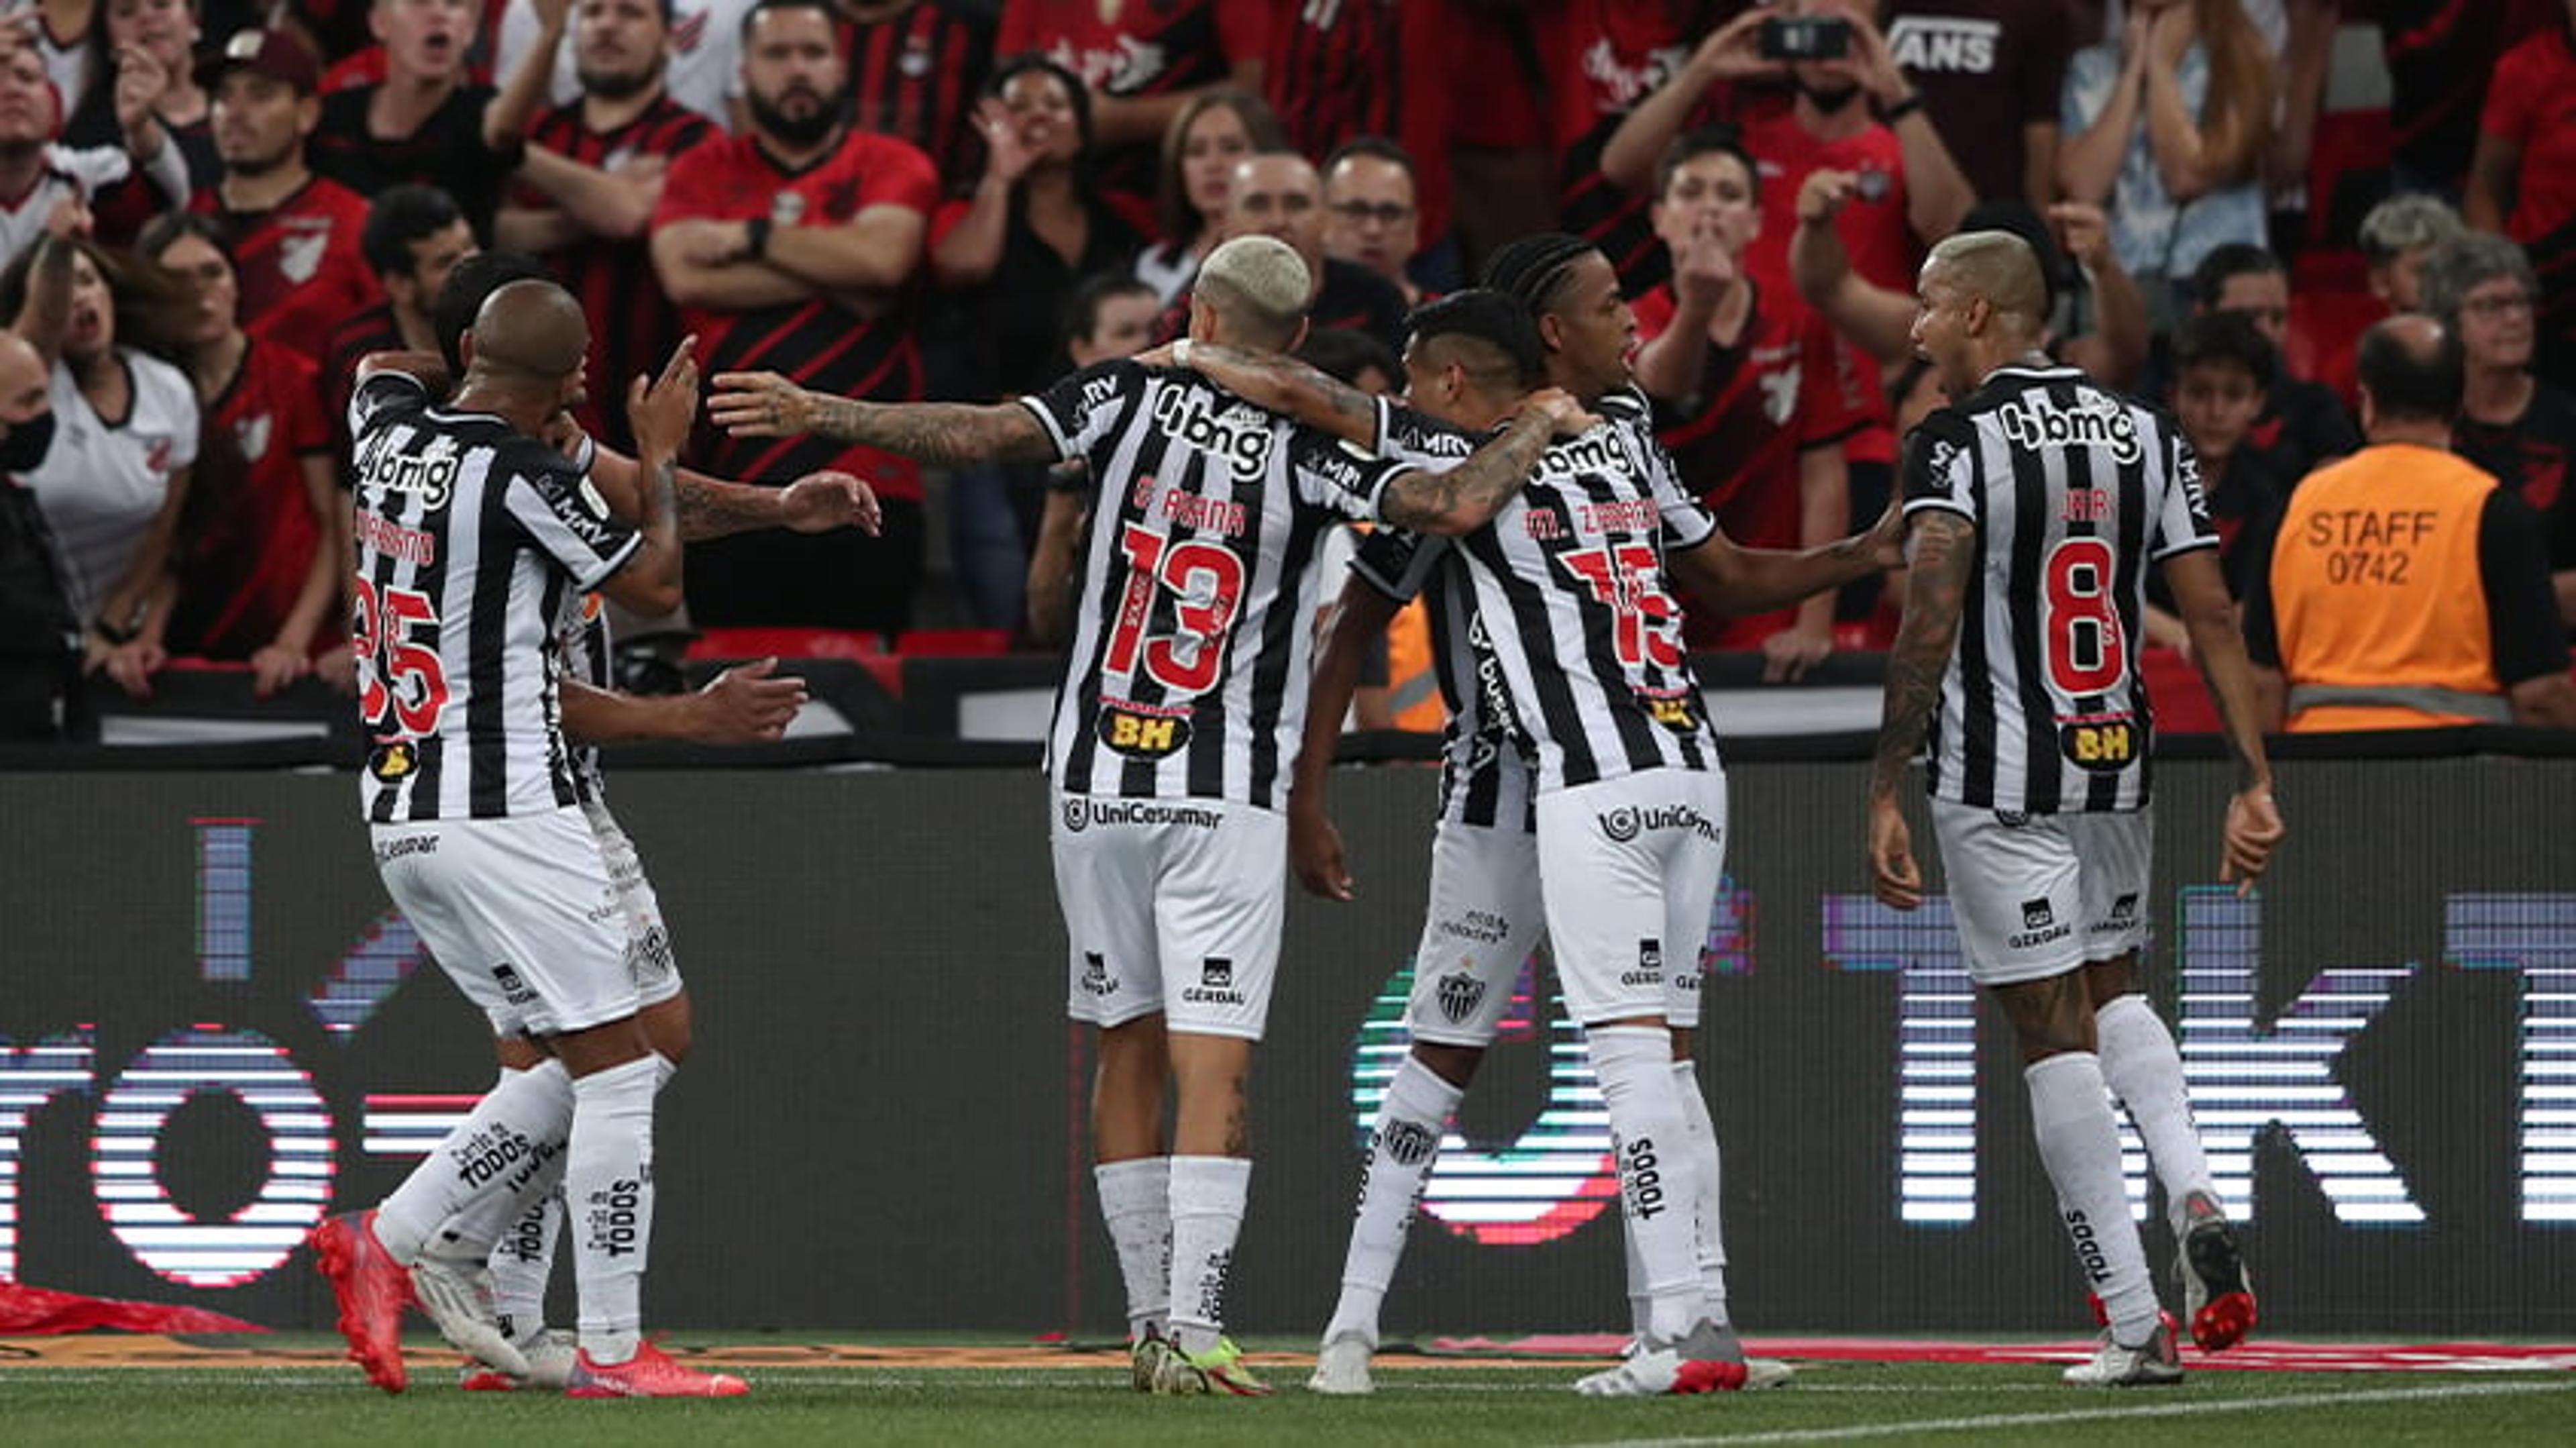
1641	1304
1656	1183
1208	1193
608	1195
1403	1144
510	1134
2079	1143
1711	1235
2144	1067
1136	1202
523	1263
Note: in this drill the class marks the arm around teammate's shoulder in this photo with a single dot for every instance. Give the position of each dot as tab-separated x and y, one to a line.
1466	497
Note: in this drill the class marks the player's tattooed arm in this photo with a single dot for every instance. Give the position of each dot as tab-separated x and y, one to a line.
764	404
1936	590
1280	384
1466	497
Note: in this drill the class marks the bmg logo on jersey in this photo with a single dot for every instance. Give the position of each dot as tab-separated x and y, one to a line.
2033	421
1240	433
431	473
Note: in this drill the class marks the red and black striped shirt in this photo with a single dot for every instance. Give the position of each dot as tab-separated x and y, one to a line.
916	77
815	341
1349	68
298	264
632	324
1130	48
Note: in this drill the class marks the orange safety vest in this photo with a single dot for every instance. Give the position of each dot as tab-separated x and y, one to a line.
2377	596
1412	689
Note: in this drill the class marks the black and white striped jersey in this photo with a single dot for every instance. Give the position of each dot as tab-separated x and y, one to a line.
1570	585
1193	635
1485	758
581	637
469	539
2073	491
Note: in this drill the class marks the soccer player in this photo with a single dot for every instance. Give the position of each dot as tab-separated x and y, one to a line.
1630	805
1471	358
2035	502
741	705
475	816
1181	705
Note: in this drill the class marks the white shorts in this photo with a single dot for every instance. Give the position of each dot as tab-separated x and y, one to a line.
1485	917
1629	868
1171	905
2039	895
520	913
648	944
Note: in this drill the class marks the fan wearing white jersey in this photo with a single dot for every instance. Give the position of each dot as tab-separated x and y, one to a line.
1179	713
2036	500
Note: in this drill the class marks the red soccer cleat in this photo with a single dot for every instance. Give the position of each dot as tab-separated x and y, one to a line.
371	1288
648	1374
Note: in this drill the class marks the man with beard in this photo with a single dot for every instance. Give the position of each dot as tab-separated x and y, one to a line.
785	249
593	175
296	256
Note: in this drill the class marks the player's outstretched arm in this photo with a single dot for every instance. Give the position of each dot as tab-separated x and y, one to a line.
1736	580
712	507
2253	819
1466	497
1280	384
746	704
764	404
1944	559
1314	846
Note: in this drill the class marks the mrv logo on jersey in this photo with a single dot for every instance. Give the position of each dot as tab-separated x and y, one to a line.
2037	421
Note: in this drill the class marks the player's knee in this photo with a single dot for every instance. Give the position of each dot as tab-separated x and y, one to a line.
1453	1064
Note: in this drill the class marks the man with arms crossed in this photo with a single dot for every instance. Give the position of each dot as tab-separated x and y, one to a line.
2035	501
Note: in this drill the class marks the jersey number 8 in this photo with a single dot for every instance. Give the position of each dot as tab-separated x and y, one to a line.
2087	653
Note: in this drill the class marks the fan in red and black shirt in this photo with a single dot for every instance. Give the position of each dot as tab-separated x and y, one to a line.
1142	60
414	237
1366	68
916	67
587	190
427	121
296	255
257	562
786	249
1752	397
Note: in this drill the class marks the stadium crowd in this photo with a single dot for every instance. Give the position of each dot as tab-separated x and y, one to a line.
955	199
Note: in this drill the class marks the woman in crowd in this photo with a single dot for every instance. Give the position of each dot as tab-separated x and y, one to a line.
1216	129
2166	130
125	437
255	569
142	94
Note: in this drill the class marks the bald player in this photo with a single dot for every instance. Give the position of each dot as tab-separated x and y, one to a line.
1178	718
2034	501
470	531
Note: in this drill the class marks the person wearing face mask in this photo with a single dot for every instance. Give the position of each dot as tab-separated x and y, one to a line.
35	622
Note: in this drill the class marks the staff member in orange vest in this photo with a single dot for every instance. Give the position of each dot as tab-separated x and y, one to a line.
2405	588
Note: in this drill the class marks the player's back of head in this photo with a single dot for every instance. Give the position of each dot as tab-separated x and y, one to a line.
1258	287
530	331
1485	334
1530	269
1999	268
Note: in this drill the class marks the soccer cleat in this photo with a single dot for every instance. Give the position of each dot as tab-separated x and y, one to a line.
549	1354
1342	1367
458	1297
1220	1369
1710	1359
1145	1360
2157	1363
370	1288
2217	1292
648	1374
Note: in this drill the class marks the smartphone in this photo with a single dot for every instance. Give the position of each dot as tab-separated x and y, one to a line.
1805	37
